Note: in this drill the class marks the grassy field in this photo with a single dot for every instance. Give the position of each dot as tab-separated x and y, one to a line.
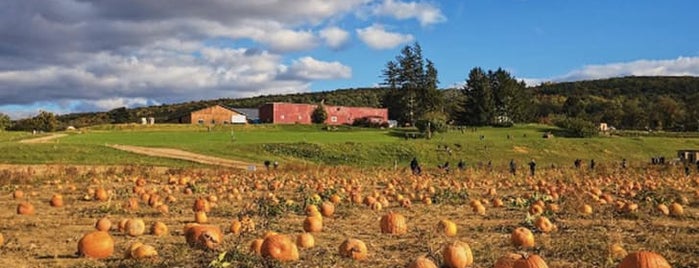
345	146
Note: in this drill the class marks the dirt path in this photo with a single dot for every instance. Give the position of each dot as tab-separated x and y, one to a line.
44	139
182	155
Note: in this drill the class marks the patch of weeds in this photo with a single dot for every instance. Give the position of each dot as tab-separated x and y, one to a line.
450	197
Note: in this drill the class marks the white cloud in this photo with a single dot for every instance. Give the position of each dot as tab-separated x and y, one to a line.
681	66
334	37
424	12
312	69
377	37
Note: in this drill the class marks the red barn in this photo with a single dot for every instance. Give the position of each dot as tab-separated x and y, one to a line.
299	113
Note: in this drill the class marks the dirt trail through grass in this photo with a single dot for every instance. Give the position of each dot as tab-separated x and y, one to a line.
182	155
43	139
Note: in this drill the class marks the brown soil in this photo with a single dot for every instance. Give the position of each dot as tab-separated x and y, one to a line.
182	155
43	139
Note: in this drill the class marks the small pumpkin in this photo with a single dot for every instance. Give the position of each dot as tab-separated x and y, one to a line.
144	251
135	227
201	204
507	261
313	224
305	240
18	194
447	227
236	227
354	249
56	201
617	252
662	208
101	194
457	255
200	217
203	236
530	261
422	262
644	259
96	245
25	208
327	209
103	224
159	229
676	210
393	223
544	224
279	247
522	237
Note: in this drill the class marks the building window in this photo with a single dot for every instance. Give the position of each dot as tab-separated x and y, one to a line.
201	121
333	119
338	109
213	121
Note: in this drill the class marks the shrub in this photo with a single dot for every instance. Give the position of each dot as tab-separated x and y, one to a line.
436	120
576	127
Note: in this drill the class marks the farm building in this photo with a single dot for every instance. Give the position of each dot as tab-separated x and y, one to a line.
215	115
299	113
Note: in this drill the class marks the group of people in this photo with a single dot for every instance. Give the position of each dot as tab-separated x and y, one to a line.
578	162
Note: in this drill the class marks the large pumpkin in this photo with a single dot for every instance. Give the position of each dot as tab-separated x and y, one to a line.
522	237
457	255
135	227
96	244
393	223
305	240
353	248
644	259
279	247
531	261
203	236
544	224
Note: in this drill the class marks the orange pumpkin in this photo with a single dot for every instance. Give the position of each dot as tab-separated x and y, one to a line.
101	194
203	236
96	245
56	200
159	229
617	252
531	261
327	209
644	259
279	247
25	208
393	223
507	261
522	237
543	224
676	210
236	227
305	240
144	251
103	224
354	249
457	255
422	262
200	217
662	208
313	224
18	194
201	204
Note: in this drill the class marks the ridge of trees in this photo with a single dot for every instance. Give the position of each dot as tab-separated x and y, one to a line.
636	103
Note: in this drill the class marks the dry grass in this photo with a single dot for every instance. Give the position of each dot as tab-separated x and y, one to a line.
49	238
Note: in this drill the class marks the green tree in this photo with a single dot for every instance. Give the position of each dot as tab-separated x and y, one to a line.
412	86
319	114
479	106
45	121
121	115
5	121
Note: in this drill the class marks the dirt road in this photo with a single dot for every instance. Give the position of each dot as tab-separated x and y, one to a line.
43	139
182	155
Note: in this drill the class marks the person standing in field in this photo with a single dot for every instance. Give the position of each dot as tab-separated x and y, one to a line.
415	166
532	167
513	167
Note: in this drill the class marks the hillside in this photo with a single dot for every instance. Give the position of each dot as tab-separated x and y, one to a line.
659	103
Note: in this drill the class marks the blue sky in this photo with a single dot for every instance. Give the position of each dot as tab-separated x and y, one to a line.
71	56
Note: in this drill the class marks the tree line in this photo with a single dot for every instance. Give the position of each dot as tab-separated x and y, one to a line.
487	98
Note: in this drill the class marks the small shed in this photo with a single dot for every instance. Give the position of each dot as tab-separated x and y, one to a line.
688	156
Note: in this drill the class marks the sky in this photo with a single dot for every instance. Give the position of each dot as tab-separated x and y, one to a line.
66	56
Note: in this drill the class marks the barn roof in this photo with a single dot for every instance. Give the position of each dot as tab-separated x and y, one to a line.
250	113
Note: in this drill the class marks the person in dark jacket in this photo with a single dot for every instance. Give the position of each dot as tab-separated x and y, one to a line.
415	166
532	167
513	167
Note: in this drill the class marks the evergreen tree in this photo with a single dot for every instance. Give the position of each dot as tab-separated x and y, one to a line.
5	121
412	86
319	114
479	107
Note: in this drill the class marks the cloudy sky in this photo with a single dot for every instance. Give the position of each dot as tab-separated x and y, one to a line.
94	55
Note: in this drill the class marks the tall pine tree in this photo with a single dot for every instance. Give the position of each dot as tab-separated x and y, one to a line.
495	98
412	85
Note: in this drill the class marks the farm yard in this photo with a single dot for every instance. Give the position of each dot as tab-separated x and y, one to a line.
578	217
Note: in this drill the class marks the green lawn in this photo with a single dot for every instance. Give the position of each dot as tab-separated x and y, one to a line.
352	146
